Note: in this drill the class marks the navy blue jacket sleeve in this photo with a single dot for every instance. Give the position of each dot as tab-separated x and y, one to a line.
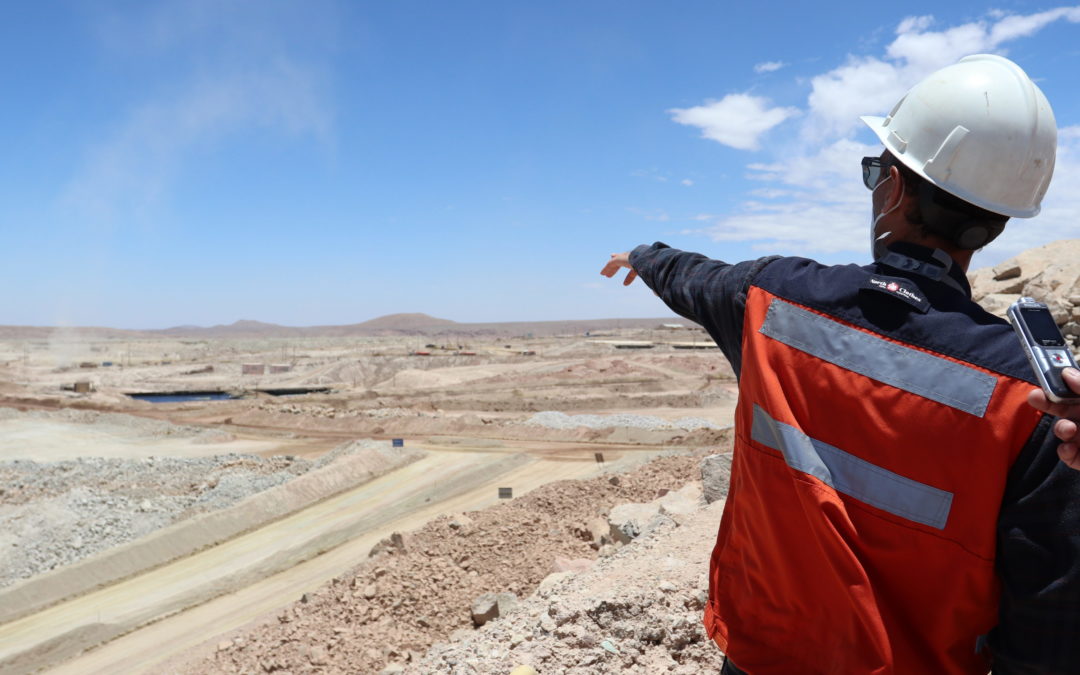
709	292
1038	560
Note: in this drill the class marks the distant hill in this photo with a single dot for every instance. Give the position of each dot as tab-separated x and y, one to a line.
404	322
242	328
389	325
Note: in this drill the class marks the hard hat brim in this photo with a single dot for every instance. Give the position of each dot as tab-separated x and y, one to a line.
877	125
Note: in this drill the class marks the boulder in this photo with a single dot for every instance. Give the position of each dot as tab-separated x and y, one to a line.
627	521
462	524
395	543
682	502
600	531
551	580
1014	286
997	303
484	608
1009	269
1052	270
507	602
715	476
490	606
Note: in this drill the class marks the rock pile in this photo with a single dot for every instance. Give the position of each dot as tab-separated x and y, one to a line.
422	586
55	513
330	412
637	610
557	420
1049	274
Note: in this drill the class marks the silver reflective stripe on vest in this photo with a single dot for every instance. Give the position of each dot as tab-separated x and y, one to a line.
914	371
853	476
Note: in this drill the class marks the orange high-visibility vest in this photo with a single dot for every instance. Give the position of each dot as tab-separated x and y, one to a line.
859	531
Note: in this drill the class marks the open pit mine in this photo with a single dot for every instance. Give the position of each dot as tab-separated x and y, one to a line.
405	495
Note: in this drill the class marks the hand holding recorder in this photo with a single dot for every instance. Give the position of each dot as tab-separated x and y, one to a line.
1056	371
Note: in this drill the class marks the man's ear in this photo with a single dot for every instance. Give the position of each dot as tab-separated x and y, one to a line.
897	190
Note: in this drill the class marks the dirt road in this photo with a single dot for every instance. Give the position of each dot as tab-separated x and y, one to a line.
267	564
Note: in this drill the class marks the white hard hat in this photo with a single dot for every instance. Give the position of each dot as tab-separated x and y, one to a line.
980	130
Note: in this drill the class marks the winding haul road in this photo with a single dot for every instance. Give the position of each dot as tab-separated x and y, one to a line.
165	613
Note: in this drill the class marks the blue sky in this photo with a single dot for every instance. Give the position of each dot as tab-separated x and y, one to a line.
317	162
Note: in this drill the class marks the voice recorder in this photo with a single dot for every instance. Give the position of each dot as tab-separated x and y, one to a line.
1045	347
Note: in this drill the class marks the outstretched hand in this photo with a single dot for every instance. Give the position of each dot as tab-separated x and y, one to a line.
1066	428
617	262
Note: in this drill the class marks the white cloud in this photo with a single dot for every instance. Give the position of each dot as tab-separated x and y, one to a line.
653	173
252	85
768	66
1060	215
1013	27
839	97
687	182
737	120
815	203
770	193
914	23
871	85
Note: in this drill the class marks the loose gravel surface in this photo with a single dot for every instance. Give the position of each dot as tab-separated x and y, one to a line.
637	611
56	513
558	420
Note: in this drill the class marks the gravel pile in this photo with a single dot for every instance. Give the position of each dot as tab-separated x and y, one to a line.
55	513
638	611
421	586
24	481
332	413
556	420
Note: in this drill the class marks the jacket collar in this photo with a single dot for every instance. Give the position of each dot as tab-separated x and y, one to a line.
930	263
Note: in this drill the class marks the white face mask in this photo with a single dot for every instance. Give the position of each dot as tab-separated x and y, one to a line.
877	244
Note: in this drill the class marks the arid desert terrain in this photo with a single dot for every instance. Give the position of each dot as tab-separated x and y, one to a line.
405	495
139	533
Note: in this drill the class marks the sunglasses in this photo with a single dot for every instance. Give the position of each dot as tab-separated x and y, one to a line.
872	168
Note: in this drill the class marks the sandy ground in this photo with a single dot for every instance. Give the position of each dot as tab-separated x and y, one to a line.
49	440
470	412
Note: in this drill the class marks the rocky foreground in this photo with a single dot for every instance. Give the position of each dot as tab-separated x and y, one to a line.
1049	274
599	576
484	568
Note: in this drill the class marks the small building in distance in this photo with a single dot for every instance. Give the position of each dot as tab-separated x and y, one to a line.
253	369
280	368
